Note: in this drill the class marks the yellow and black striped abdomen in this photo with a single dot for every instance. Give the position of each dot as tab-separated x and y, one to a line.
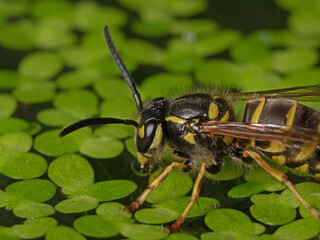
304	157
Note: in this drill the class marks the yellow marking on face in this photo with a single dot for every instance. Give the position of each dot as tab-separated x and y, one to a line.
176	120
189	138
305	152
291	114
227	140
226	116
280	159
142	159
303	169
213	111
256	115
141	132
275	147
317	175
157	138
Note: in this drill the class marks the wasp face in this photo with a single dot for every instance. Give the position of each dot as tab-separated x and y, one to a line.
149	135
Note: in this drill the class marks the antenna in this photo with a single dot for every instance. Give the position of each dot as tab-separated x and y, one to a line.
123	69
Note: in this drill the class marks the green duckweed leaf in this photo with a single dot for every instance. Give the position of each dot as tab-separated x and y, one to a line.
301	229
107	190
143	232
198	26
51	144
119	88
293	60
95	226
114	131
42	65
71	172
171	186
220	236
13	9
33	210
131	146
63	233
34	228
35	92
272	209
56	117
34	190
122	108
181	61
9	79
229	220
186	8
152	54
258	228
22	165
78	79
8	105
166	84
305	189
305	22
77	204
54	33
6	233
181	236
81	103
151	29
229	171
314	200
246	189
155	215
17	35
177	205
33	128
310	77
15	142
101	147
8	125
3	198
113	209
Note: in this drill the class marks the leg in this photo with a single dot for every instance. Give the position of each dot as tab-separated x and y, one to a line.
194	197
281	177
153	185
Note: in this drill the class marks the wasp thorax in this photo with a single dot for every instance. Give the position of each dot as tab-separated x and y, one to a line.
149	134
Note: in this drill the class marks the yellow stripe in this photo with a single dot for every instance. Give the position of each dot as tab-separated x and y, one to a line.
256	115
291	114
213	111
226	116
141	132
157	138
189	138
305	152
303	169
280	160
176	119
275	147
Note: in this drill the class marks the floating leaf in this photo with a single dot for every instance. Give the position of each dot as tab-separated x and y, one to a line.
56	117
229	220
77	79
107	190
42	65
3	198
12	124
9	79
181	61
114	131
7	234
95	226
8	105
15	142
155	215
81	103
198	26
299	229
33	128
152	28
34	190
314	200
171	186
63	233
119	88
22	165
33	210
228	171
118	108
272	209
181	236
71	172
77	205
143	232
34	228
101	147
113	209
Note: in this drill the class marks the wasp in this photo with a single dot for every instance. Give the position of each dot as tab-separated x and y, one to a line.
202	128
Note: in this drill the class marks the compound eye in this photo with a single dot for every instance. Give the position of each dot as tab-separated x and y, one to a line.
150	128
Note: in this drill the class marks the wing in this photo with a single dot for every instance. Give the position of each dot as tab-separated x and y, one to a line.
261	132
304	93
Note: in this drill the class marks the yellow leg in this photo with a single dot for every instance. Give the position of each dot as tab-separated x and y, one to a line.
194	197
281	177
153	185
